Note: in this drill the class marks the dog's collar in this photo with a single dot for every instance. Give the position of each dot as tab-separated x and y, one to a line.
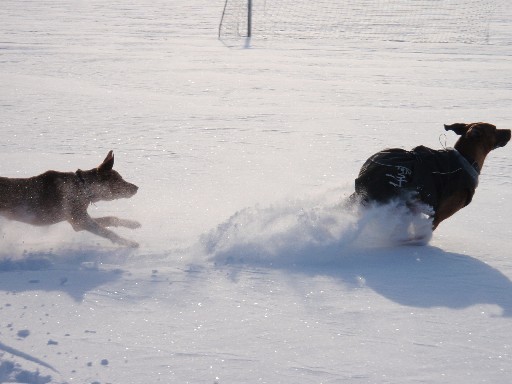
85	188
473	163
471	168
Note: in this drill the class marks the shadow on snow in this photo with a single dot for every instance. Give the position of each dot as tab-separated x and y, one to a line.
414	276
357	249
74	272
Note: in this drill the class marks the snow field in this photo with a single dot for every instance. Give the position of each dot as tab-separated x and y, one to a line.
249	270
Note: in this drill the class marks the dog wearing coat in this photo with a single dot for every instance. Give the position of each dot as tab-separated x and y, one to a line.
54	196
445	180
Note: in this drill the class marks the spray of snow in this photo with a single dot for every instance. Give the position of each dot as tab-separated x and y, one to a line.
28	247
316	231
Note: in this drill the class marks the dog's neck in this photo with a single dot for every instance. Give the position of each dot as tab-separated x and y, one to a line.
475	159
84	186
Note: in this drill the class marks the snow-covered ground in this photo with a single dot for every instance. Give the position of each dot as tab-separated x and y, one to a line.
248	270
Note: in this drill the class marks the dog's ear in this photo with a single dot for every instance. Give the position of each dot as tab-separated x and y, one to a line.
108	163
475	132
459	128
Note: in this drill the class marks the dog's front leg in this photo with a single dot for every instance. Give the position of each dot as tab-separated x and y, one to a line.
112	221
449	206
87	223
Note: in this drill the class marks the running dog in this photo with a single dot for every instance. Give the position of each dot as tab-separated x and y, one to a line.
54	196
445	180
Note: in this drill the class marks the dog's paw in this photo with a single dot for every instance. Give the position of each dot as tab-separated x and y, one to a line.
127	243
132	224
415	241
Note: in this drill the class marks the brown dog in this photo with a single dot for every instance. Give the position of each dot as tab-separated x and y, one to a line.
54	196
444	179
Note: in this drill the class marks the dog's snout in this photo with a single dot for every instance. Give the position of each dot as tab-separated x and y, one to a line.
125	189
502	137
133	189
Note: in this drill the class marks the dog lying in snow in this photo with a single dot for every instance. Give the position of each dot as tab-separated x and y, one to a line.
444	180
54	196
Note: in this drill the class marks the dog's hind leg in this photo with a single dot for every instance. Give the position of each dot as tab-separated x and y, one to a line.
87	223
112	221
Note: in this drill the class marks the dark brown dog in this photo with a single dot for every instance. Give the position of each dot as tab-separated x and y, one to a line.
54	196
444	179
